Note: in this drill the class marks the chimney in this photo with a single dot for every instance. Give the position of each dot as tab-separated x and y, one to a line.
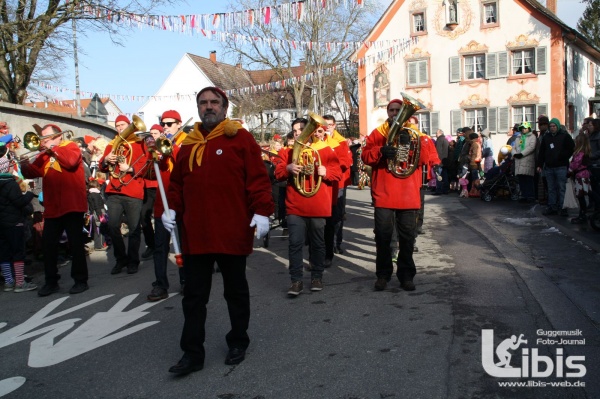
551	6
213	55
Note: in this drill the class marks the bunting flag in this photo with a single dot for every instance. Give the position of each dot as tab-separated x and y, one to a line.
375	58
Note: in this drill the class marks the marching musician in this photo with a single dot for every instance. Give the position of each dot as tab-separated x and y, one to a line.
65	201
219	192
150	186
171	123
306	215
124	161
396	200
334	223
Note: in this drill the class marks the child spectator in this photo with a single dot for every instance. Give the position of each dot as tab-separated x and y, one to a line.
578	171
464	182
14	208
98	212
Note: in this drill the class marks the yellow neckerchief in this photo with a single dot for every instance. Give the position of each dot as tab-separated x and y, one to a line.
182	136
384	129
52	161
330	141
318	145
337	136
196	138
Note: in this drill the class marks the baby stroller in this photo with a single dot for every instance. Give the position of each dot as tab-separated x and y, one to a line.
500	180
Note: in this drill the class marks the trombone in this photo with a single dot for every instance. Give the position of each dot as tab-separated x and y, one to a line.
32	141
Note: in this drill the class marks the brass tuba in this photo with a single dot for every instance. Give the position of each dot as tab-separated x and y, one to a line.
120	143
405	139
307	182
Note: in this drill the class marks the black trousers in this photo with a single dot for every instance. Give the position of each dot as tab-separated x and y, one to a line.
72	223
331	225
198	281
405	222
119	205
146	217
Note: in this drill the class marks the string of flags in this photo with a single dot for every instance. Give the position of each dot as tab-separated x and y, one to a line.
190	23
378	57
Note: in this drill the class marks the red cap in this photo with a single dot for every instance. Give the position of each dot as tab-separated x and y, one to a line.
122	118
277	137
158	127
395	100
171	114
217	91
88	139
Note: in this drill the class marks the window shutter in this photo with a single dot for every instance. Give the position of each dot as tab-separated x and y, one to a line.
575	67
455	120
434	120
491	67
542	109
412	73
503	64
540	60
454	69
503	122
423	72
492	114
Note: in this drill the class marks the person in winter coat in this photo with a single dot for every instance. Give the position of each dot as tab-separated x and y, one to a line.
555	150
487	150
579	172
525	162
14	207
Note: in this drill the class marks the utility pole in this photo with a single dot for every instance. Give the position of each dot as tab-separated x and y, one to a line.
77	94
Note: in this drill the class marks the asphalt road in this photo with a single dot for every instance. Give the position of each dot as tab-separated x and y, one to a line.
497	266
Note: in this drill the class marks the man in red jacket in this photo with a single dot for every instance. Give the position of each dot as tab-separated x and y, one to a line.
397	201
65	201
125	168
219	191
306	215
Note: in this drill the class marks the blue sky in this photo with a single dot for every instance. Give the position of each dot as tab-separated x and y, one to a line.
140	66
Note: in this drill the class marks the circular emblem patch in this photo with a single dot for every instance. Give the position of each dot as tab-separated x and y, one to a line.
219	151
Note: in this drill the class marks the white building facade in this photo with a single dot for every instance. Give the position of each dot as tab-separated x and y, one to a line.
479	63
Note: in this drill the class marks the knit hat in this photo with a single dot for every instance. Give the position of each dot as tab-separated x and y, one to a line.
516	127
217	91
525	125
171	114
122	118
88	139
158	127
395	100
555	121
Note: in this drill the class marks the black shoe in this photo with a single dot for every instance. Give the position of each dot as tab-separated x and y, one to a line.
419	230
415	248
132	269
186	366
407	285
148	253
78	288
338	250
117	269
235	356
157	294
380	284
48	289
327	262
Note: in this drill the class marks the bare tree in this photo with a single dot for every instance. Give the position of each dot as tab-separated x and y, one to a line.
35	38
315	43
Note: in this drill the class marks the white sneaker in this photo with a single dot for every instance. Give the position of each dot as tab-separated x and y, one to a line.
25	287
9	287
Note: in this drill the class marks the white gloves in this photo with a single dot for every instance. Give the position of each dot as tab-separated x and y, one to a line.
168	219
261	223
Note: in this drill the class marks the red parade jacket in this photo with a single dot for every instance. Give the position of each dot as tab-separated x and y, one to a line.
319	205
132	186
389	191
63	179
215	202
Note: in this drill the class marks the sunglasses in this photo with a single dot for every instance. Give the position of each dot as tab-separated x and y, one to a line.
168	124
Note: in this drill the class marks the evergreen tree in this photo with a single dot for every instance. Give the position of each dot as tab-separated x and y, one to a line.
589	23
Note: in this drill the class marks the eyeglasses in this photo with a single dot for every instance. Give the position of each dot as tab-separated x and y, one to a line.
168	124
331	124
